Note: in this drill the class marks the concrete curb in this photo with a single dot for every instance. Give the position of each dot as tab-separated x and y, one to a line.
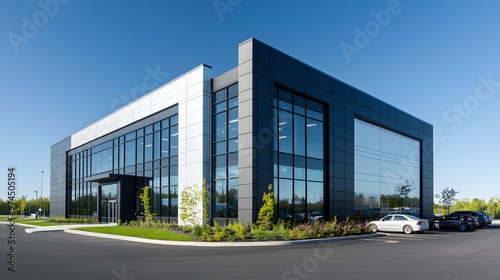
225	244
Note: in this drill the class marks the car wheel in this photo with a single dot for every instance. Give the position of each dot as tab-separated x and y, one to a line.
463	227
435	226
407	229
373	228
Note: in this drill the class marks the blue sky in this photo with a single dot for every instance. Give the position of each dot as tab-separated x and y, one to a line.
66	63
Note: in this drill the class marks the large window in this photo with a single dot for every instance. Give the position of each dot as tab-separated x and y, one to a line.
387	172
225	152
149	153
298	156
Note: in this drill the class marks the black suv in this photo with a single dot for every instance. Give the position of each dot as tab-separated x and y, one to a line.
455	220
481	219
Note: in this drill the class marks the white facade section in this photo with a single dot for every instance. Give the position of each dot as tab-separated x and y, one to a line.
192	93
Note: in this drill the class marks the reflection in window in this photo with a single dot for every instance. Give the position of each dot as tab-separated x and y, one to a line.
387	172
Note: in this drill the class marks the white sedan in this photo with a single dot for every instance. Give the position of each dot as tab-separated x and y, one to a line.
399	223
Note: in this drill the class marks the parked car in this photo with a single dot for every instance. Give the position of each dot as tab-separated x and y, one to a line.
399	223
455	220
488	218
481	219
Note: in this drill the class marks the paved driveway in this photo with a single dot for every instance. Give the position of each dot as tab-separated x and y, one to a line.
444	255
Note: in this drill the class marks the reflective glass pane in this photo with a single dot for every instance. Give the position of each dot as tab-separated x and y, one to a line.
156	145
285	206
232	91
148	129
174	119
165	143
315	198
314	169
232	198
285	166
314	138
220	107
220	95
164	201
220	148
285	105
314	114
220	199
174	140
107	160
232	165
366	135
220	167
96	163
232	145
140	149
299	199
232	129
285	131
148	148
174	194
299	168
299	135
164	176
220	127
233	102
390	143
174	175
130	153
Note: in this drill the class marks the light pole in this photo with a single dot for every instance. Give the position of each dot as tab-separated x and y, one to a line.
41	194
36	210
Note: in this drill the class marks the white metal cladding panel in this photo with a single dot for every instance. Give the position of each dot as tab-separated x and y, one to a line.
168	95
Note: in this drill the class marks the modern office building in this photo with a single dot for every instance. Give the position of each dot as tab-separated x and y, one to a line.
328	148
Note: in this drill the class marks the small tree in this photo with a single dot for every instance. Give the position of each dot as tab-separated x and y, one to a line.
22	205
447	198
145	202
194	202
266	212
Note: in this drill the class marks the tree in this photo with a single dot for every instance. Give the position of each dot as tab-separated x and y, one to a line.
22	205
266	212
447	198
145	201
194	206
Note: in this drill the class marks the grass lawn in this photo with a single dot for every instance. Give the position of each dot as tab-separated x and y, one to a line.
33	222
149	233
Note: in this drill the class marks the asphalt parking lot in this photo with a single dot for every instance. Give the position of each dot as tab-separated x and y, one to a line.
449	255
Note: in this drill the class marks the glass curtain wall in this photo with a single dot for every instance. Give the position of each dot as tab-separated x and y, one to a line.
225	153
387	172
298	156
149	152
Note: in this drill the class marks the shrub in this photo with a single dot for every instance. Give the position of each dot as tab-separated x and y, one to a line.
239	229
219	232
266	212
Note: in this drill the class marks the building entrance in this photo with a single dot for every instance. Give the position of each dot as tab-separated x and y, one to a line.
109	203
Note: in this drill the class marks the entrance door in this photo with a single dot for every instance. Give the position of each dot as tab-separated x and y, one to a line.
109	203
112	211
